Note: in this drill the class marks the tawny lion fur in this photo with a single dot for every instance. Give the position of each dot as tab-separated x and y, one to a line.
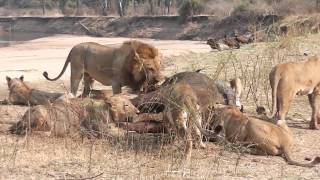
75	116
133	64
314	100
207	91
22	94
290	79
269	139
183	114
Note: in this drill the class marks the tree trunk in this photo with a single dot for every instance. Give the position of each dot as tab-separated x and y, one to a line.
167	5
43	4
318	5
120	8
151	7
105	6
62	3
78	3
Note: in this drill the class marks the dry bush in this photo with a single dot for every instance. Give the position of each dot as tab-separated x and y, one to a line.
294	7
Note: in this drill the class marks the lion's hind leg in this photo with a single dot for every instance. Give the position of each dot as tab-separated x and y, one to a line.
88	82
75	78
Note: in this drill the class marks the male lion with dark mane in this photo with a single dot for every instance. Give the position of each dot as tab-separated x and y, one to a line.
134	64
290	79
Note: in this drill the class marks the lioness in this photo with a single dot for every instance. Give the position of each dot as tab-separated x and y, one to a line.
268	138
75	116
208	89
290	79
182	112
314	100
133	64
21	94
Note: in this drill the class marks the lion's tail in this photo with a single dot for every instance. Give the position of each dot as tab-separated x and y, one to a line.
45	73
274	79
315	161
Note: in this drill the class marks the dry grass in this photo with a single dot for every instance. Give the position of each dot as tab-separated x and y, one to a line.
37	157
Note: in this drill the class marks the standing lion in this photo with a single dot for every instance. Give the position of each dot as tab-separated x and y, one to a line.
290	79
134	64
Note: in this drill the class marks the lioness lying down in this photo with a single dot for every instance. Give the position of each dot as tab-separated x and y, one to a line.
76	116
267	138
21	94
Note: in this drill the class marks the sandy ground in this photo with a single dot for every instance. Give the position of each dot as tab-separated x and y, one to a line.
49	54
51	158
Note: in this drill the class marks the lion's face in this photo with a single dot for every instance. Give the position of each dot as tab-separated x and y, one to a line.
121	108
147	69
18	89
17	82
152	71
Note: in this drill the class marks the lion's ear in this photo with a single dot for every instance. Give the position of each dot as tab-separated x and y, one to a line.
21	78
8	79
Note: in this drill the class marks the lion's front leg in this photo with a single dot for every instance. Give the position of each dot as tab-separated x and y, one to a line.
198	135
189	142
116	87
88	83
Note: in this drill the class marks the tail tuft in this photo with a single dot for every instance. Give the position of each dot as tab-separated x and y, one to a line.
45	74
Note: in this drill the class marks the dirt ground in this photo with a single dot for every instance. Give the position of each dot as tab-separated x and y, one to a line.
34	157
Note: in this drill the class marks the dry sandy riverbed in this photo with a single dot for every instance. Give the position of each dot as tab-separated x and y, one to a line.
43	158
33	57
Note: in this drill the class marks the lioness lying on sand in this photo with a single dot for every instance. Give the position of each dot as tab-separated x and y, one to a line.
21	94
268	138
75	116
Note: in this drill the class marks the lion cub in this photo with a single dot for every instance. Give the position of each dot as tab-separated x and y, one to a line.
21	94
268	138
